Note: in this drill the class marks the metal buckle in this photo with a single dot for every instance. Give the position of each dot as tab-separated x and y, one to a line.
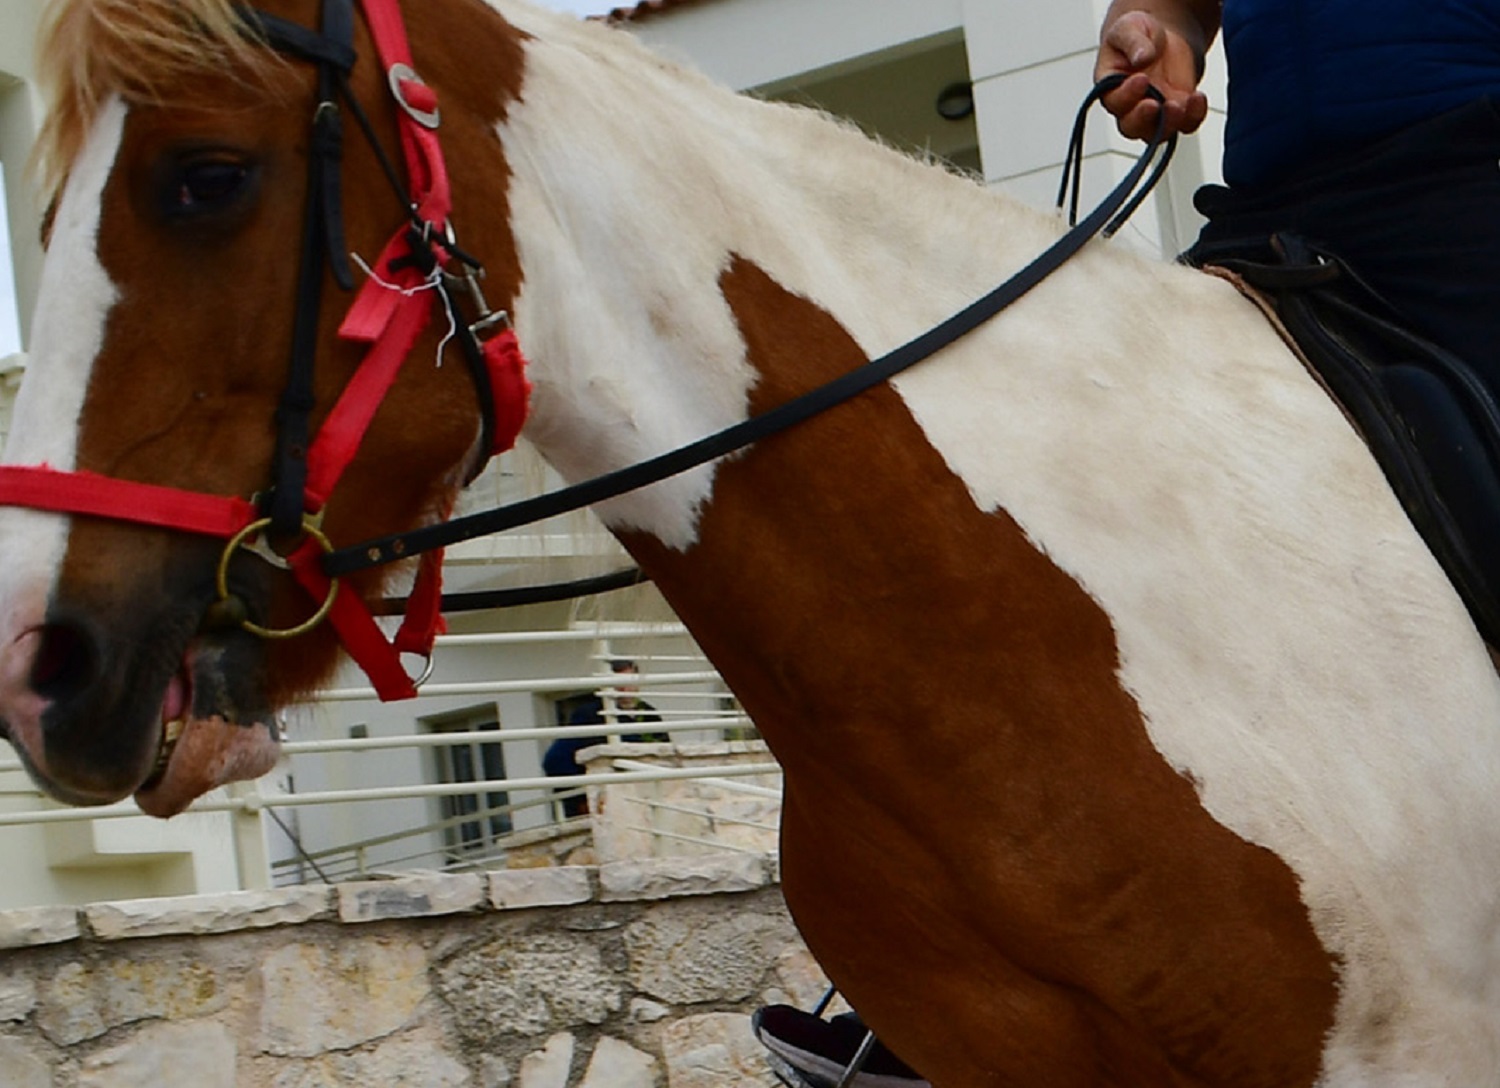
311	527
404	73
429	666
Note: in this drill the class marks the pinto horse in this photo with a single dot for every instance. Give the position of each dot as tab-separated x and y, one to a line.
1131	734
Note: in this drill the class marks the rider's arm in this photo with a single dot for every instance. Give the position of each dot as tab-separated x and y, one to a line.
1160	42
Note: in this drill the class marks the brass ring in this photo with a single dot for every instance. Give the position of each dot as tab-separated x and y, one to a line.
310	527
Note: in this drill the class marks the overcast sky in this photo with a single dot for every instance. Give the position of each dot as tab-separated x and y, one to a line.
10	335
583	7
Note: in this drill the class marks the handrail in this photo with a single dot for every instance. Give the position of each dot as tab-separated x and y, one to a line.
731	720
257	802
497	687
498	736
326	858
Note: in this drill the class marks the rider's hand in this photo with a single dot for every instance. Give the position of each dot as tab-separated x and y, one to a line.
1148	52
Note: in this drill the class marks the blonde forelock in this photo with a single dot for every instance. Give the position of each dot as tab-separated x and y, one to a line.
92	50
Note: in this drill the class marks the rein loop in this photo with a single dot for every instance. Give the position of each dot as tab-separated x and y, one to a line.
1104	220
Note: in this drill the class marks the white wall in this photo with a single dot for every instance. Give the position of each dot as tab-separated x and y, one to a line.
1030	65
20	112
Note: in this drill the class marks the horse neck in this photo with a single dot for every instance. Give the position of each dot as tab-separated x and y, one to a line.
636	187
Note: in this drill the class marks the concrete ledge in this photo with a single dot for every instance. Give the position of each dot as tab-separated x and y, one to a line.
413	895
664	878
203	914
519	889
423	895
38	926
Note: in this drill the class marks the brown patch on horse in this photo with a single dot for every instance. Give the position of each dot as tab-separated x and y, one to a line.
975	820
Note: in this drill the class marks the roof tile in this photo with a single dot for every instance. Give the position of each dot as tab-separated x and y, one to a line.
642	10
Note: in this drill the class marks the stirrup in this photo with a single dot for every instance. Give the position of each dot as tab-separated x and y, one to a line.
793	1077
861	1055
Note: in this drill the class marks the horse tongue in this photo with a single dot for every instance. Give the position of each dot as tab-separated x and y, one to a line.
210	753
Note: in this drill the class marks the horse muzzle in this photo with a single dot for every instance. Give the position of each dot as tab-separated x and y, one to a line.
94	721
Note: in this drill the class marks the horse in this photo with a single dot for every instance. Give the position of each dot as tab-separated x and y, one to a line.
1131	735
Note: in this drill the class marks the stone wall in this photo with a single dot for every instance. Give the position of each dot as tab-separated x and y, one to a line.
634	974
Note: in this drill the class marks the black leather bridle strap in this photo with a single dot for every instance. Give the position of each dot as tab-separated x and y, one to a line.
323	247
389	549
298	41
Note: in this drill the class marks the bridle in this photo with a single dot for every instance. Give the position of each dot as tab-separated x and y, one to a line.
421	269
388	314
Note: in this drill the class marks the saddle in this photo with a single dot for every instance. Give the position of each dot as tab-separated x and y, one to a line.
1432	423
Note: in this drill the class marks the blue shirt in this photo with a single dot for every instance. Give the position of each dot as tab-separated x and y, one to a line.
1312	78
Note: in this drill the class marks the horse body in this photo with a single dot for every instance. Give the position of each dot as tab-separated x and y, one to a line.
1131	735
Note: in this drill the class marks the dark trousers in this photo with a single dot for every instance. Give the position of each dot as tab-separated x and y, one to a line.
1417	216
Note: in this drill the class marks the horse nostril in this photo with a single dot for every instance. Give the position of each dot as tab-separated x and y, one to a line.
66	661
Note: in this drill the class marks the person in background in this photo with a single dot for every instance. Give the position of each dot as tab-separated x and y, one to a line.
561	758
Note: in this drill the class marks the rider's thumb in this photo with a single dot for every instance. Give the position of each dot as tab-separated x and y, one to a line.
1138	37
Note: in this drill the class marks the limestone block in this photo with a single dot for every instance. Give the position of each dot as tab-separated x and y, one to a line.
715	1051
529	984
19	1068
419	1060
517	889
493	1072
422	896
549	1067
37	926
799	977
662	878
356	991
200	1055
689	952
203	914
645	1011
77	1002
617	1064
17	998
70	1010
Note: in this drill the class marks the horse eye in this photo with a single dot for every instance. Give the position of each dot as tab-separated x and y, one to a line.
206	186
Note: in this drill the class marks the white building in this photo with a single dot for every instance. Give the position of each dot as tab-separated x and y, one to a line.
895	67
990	85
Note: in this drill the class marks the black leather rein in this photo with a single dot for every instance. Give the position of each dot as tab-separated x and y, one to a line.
1104	220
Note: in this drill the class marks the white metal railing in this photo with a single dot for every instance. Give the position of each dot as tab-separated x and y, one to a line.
350	860
686	698
706	816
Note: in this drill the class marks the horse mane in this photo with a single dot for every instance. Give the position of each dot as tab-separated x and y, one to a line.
92	50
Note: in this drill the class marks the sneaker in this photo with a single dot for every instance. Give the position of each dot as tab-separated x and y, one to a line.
808	1052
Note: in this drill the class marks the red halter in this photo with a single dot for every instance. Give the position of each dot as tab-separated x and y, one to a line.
389	313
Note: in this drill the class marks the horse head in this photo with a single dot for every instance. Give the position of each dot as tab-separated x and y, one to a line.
177	147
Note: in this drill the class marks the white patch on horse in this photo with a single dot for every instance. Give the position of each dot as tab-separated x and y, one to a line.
622	376
1144	427
73	305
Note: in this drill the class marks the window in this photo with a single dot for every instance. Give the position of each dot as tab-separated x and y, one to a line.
10	324
472	821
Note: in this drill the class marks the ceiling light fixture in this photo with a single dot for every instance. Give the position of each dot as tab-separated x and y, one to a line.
956	102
